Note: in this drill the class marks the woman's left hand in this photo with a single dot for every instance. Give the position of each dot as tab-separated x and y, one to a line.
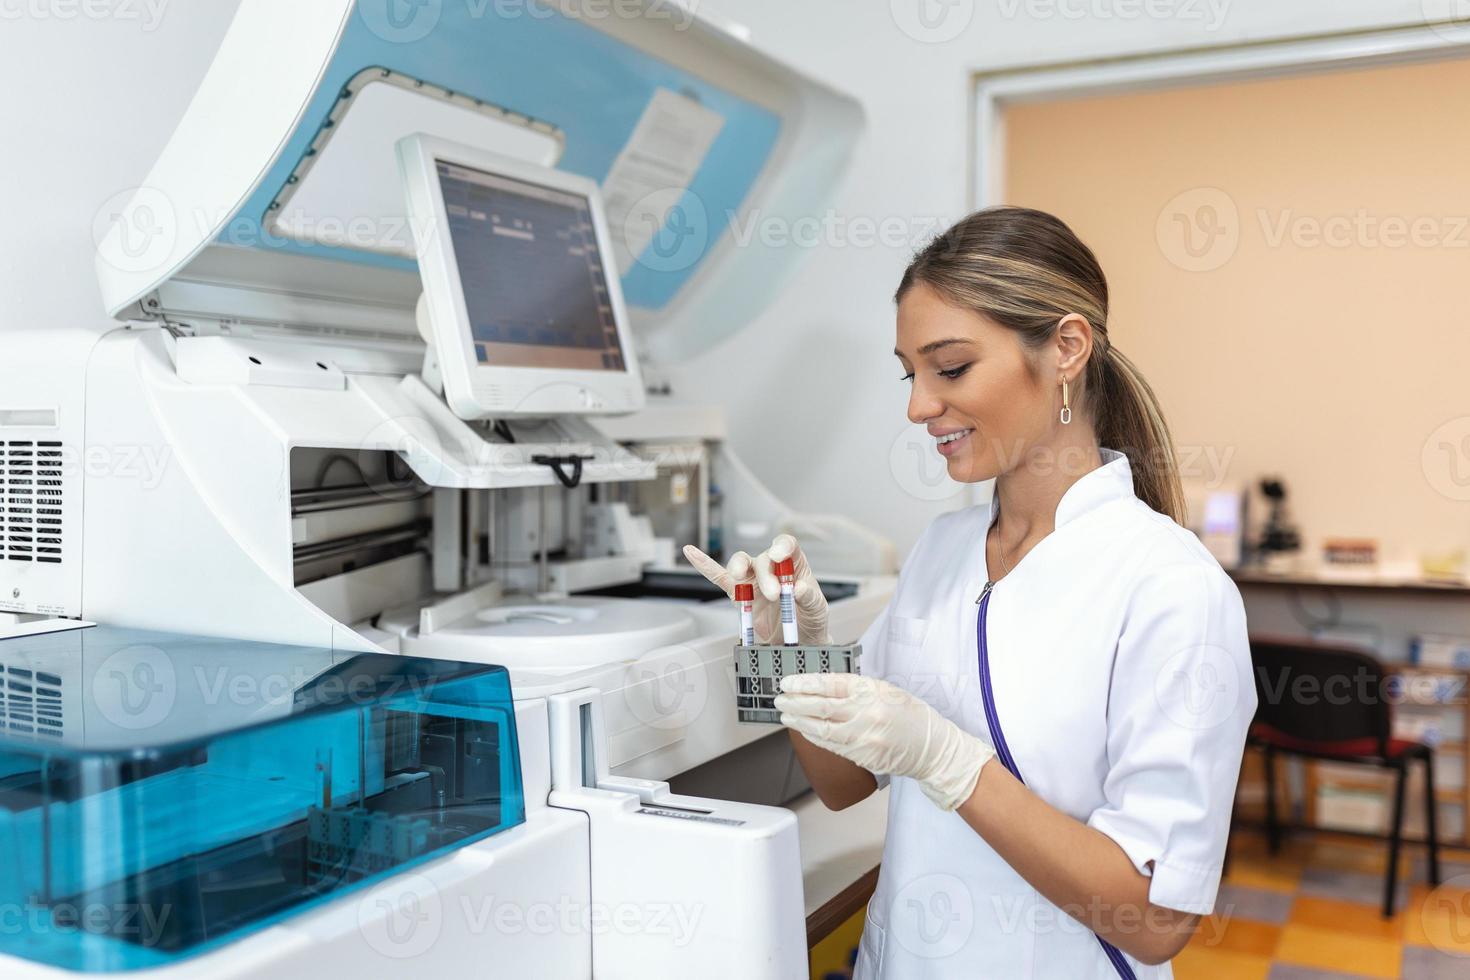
885	729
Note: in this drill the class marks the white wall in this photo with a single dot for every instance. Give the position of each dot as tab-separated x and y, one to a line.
836	438
94	87
89	102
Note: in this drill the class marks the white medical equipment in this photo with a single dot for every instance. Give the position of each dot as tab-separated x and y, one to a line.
1218	515
254	452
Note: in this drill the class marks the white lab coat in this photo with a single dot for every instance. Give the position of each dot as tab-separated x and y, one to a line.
1122	682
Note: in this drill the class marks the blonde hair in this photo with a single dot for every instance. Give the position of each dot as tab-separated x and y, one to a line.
1026	270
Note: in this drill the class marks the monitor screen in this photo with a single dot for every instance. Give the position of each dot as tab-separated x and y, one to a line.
1222	513
534	281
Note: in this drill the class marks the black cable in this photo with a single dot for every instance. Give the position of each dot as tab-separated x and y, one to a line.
333	460
557	462
502	430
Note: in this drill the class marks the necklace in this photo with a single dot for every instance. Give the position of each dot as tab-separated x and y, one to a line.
1001	549
990	582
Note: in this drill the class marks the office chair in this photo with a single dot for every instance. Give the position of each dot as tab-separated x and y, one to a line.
1330	703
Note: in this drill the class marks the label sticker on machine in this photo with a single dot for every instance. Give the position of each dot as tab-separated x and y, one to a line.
654	169
697	815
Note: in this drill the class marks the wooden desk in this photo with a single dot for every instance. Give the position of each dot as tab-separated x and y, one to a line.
1404	587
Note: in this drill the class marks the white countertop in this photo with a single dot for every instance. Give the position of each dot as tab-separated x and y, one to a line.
838	847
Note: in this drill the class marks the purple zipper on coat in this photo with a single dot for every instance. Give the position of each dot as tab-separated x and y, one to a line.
1003	751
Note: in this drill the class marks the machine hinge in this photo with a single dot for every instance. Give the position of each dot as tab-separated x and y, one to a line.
154	314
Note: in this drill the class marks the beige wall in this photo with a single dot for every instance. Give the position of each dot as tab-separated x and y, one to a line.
1333	359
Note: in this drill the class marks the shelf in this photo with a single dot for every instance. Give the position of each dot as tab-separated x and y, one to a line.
1397	668
1453	752
1455	795
1400	587
1297	827
1354	785
1372	781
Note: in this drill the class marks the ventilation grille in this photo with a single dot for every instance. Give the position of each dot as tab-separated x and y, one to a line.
30	702
30	501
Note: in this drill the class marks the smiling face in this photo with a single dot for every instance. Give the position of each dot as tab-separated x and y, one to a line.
984	398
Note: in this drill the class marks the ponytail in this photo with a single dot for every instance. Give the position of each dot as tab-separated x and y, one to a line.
1131	421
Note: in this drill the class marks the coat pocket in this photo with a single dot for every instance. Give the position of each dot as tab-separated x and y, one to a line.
902	653
905	631
869	964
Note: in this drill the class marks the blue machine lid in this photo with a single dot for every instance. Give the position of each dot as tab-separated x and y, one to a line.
233	784
697	136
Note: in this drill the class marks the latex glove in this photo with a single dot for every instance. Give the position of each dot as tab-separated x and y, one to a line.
811	605
885	729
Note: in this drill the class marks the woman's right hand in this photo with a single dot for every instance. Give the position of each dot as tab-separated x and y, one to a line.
811	605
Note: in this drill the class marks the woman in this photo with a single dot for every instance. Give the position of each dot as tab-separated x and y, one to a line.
1060	687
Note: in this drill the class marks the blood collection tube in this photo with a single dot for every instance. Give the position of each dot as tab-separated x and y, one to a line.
786	572
745	599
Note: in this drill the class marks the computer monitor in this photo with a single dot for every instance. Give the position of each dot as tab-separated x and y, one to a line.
526	311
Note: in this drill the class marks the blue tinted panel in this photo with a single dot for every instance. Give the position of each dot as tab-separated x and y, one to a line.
163	794
532	60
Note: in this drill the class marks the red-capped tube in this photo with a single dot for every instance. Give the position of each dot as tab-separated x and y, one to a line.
745	600
786	573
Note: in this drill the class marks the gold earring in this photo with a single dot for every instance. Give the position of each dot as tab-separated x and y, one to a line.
1066	403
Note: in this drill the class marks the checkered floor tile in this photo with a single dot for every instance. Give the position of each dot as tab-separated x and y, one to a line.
1312	912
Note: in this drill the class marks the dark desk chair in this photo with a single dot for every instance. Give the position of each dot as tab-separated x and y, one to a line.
1330	703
